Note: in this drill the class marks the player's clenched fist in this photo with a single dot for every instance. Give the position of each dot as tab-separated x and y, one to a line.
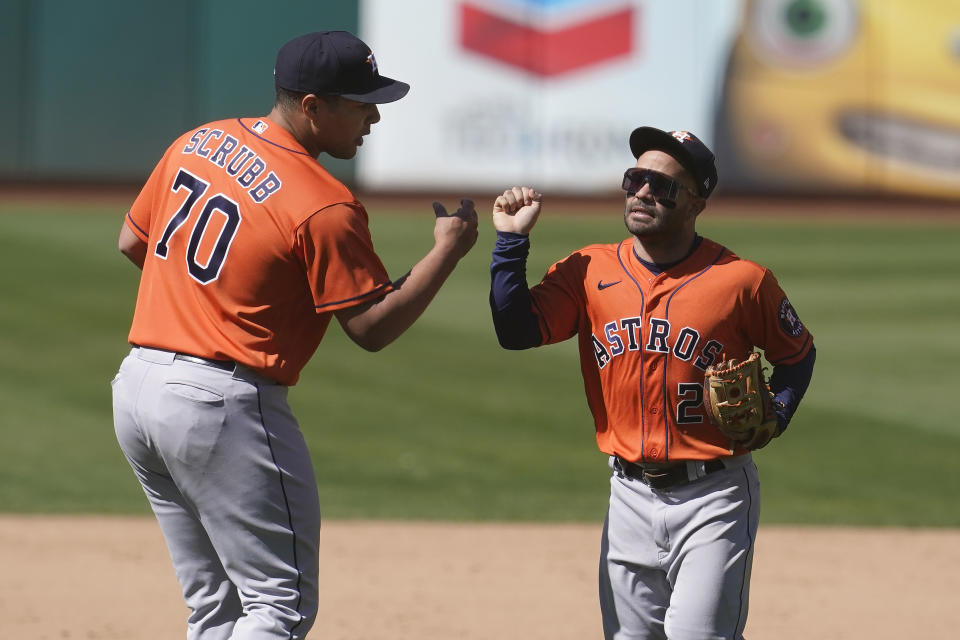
456	231
517	210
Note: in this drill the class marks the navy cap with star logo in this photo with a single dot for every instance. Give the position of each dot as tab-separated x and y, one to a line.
687	148
335	63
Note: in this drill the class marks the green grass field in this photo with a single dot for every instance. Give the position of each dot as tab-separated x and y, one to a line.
444	424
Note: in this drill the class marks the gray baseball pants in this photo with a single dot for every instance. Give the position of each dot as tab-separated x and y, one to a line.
226	470
676	563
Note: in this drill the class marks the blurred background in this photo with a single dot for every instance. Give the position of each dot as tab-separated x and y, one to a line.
799	96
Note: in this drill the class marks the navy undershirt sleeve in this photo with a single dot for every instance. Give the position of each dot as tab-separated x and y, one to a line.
788	384
510	301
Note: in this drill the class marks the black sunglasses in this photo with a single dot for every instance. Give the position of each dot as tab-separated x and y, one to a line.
663	188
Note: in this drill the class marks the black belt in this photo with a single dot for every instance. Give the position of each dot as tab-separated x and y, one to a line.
223	365
663	475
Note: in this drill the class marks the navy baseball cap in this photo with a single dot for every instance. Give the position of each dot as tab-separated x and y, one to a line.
335	63
687	148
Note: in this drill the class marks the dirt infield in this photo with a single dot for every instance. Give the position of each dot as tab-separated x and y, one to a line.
99	578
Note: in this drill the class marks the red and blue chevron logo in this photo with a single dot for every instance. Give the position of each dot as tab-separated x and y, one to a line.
547	37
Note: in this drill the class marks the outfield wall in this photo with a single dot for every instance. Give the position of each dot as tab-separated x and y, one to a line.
810	96
97	89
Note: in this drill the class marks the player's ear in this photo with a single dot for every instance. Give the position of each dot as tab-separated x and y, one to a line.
314	106
309	104
696	207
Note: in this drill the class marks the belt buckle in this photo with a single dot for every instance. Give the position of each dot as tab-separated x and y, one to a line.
654	476
664	478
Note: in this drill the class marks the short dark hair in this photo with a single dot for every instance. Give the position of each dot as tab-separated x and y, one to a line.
289	100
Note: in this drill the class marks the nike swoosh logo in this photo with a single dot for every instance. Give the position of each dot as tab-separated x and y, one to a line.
603	285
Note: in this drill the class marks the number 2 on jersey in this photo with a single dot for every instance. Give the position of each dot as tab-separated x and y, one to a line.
204	274
692	398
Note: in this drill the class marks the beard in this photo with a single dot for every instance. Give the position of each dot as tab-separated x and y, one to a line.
654	221
644	221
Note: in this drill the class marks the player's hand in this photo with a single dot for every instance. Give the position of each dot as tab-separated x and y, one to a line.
517	210
455	232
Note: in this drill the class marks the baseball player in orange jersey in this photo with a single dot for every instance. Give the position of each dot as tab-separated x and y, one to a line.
651	313
248	248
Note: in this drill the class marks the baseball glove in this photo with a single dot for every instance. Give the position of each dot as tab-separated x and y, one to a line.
739	402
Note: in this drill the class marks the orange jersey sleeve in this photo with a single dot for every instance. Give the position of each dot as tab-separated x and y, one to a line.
139	215
560	298
251	245
646	339
323	241
778	331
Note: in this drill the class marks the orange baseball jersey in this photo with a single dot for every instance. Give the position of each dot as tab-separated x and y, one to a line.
251	245
646	340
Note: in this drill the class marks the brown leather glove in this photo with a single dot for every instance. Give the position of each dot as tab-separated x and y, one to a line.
739	402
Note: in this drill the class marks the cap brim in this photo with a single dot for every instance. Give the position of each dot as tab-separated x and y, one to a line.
386	90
